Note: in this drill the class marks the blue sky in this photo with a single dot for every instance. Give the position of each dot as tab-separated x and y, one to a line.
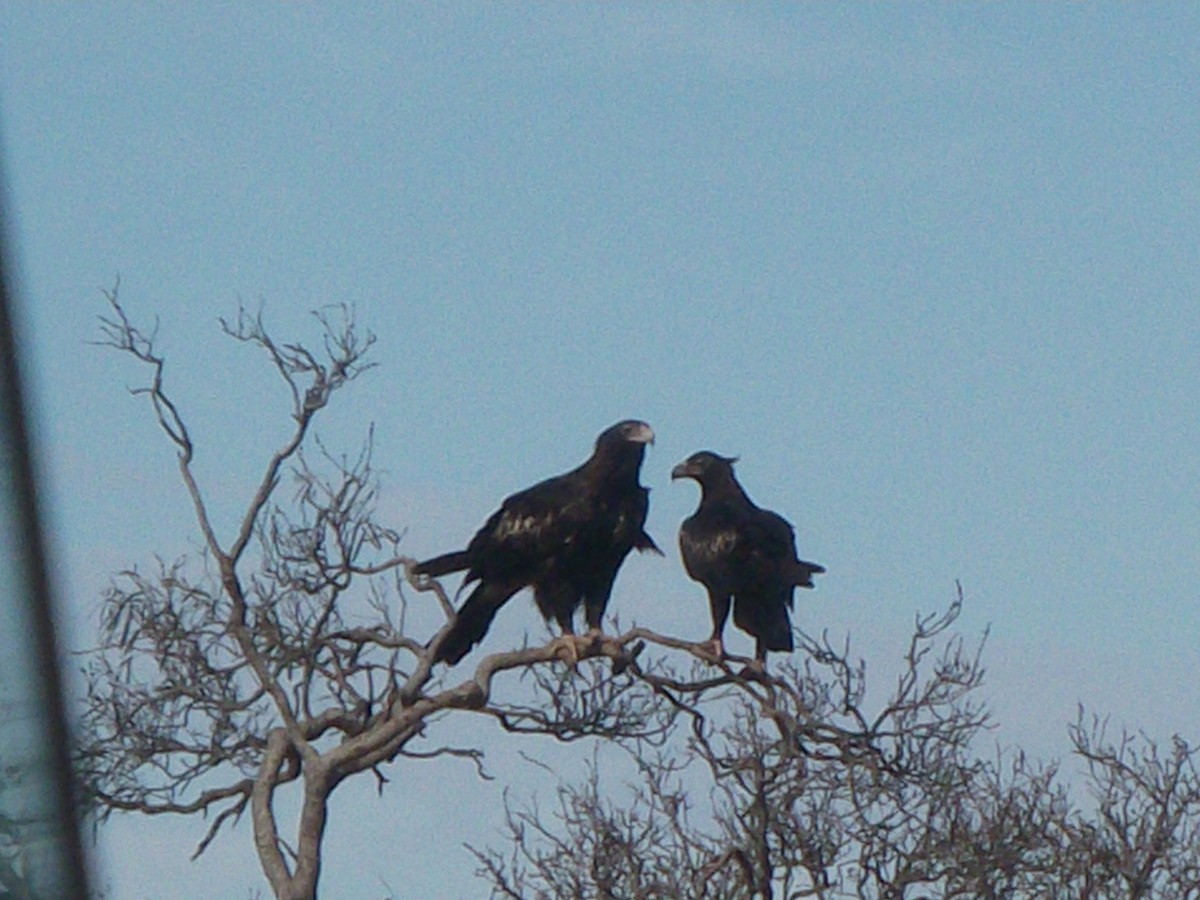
931	271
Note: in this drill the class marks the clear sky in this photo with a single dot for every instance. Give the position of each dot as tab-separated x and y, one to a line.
930	270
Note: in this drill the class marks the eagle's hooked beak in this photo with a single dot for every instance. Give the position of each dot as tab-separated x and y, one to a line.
642	434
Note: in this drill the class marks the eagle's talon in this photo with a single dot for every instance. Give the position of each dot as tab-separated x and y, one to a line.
566	647
755	670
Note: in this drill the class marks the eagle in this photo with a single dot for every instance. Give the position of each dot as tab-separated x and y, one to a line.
565	538
741	553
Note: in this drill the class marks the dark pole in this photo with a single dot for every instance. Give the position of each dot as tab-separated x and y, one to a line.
30	553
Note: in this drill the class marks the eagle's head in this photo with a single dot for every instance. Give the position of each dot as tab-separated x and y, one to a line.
704	467
627	431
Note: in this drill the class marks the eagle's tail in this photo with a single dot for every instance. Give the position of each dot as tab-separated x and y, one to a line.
765	615
472	622
444	564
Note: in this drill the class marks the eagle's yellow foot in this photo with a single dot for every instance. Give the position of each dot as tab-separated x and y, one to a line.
714	649
755	670
566	646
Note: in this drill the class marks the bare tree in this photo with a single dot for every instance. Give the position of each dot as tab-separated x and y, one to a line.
1143	838
786	787
222	678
